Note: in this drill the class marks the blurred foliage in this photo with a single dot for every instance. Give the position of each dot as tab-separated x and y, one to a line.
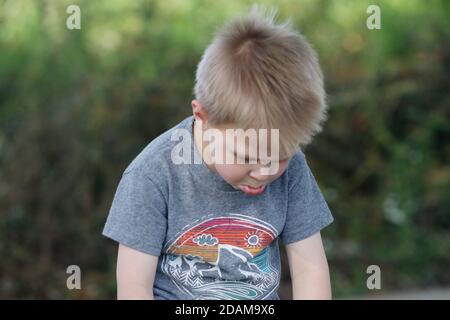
76	106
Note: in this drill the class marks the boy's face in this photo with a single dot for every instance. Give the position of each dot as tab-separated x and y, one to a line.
238	161
248	177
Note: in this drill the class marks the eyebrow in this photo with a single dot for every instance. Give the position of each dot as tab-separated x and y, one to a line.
247	158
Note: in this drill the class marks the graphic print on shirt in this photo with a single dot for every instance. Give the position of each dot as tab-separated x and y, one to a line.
224	257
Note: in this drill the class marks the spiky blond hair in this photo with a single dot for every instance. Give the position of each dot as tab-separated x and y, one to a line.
259	74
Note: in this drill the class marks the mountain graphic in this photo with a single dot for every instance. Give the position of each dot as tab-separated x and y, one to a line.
232	264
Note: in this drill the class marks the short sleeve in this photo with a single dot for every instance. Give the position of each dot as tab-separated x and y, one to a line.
307	210
138	214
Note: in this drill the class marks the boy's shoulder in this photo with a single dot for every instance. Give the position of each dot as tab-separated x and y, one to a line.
297	167
156	155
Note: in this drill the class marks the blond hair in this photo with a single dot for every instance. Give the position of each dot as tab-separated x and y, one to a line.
258	74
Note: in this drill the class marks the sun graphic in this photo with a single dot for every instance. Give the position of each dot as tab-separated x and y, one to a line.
253	239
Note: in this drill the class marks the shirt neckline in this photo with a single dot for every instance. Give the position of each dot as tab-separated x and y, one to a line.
201	172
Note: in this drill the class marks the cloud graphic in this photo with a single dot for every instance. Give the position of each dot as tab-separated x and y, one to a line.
205	240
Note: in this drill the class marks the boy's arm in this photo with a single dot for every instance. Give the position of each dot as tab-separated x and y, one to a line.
309	269
135	274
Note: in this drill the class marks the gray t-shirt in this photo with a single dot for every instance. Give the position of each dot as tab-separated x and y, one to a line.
213	241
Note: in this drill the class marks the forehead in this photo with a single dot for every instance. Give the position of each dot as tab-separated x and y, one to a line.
252	142
285	152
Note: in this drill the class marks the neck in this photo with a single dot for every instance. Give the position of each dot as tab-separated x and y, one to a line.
197	133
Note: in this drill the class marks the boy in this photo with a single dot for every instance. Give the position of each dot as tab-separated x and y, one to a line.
210	229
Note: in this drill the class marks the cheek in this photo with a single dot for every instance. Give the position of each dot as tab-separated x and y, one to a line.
231	173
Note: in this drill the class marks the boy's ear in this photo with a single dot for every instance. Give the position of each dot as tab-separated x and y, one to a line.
198	112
